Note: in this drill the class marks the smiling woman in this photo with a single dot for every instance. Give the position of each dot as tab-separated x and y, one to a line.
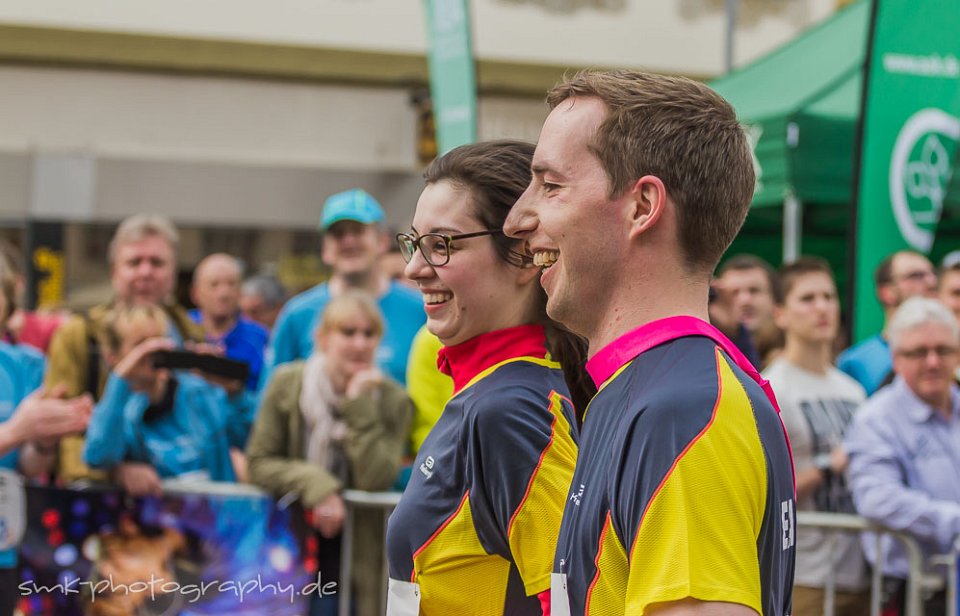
476	529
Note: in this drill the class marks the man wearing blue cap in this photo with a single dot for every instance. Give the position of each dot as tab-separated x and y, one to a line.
352	246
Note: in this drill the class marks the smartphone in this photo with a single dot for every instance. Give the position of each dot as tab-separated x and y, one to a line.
211	364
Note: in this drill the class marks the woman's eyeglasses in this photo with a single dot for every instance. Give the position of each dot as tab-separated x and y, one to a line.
435	247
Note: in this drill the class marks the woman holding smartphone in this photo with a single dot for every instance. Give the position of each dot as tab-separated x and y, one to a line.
476	529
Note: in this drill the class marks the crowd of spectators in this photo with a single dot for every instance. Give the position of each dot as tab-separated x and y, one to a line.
321	406
875	429
341	387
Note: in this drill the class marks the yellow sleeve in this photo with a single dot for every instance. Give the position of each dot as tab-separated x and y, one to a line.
697	535
535	525
429	388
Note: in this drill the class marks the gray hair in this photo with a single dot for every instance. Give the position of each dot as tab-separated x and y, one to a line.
139	226
267	287
918	311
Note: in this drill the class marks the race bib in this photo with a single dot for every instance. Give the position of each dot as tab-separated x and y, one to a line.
559	601
403	598
13	509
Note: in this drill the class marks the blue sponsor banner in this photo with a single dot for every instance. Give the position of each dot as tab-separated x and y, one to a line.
98	552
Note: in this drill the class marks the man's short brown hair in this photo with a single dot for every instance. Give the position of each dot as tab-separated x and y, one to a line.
789	273
682	132
743	262
884	272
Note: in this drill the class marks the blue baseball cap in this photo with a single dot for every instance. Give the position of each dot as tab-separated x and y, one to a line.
355	204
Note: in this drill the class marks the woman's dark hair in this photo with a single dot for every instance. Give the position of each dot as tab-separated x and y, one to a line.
496	173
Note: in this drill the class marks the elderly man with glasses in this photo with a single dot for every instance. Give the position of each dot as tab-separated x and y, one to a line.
904	443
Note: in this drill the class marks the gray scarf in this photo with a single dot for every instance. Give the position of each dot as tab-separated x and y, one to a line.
325	431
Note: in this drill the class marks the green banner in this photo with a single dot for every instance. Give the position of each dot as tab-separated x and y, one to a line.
453	84
910	136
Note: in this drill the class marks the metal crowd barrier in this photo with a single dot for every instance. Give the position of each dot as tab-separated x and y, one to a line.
920	579
356	499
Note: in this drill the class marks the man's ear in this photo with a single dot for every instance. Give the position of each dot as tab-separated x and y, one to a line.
778	318
887	294
648	200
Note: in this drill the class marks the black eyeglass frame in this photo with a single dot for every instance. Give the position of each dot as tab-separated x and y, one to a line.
415	244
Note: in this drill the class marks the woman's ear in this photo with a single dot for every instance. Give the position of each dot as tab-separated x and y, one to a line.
648	200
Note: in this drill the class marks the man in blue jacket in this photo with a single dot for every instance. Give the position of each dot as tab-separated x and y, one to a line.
216	292
900	276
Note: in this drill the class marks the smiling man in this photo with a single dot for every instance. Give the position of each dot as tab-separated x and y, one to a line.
682	501
353	243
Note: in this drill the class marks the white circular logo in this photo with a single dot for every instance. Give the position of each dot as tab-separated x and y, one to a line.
920	169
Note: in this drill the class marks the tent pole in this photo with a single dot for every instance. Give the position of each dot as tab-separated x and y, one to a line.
731	6
792	227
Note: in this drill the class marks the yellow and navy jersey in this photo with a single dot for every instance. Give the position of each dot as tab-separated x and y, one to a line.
477	526
684	486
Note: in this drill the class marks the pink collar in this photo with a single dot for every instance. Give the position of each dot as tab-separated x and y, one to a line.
615	355
466	360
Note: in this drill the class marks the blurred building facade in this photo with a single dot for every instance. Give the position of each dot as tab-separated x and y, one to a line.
237	117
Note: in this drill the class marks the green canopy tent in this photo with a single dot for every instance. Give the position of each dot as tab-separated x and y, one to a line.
801	103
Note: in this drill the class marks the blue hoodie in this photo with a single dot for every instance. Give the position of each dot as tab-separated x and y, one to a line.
21	372
193	435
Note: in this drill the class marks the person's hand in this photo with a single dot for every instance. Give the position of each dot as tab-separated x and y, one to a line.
142	353
205	348
138	479
363	381
838	460
721	308
240	465
44	416
328	516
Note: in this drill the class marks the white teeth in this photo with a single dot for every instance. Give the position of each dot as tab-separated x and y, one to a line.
545	258
436	298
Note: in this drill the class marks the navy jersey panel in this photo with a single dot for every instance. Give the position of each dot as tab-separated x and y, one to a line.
477	468
678	426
